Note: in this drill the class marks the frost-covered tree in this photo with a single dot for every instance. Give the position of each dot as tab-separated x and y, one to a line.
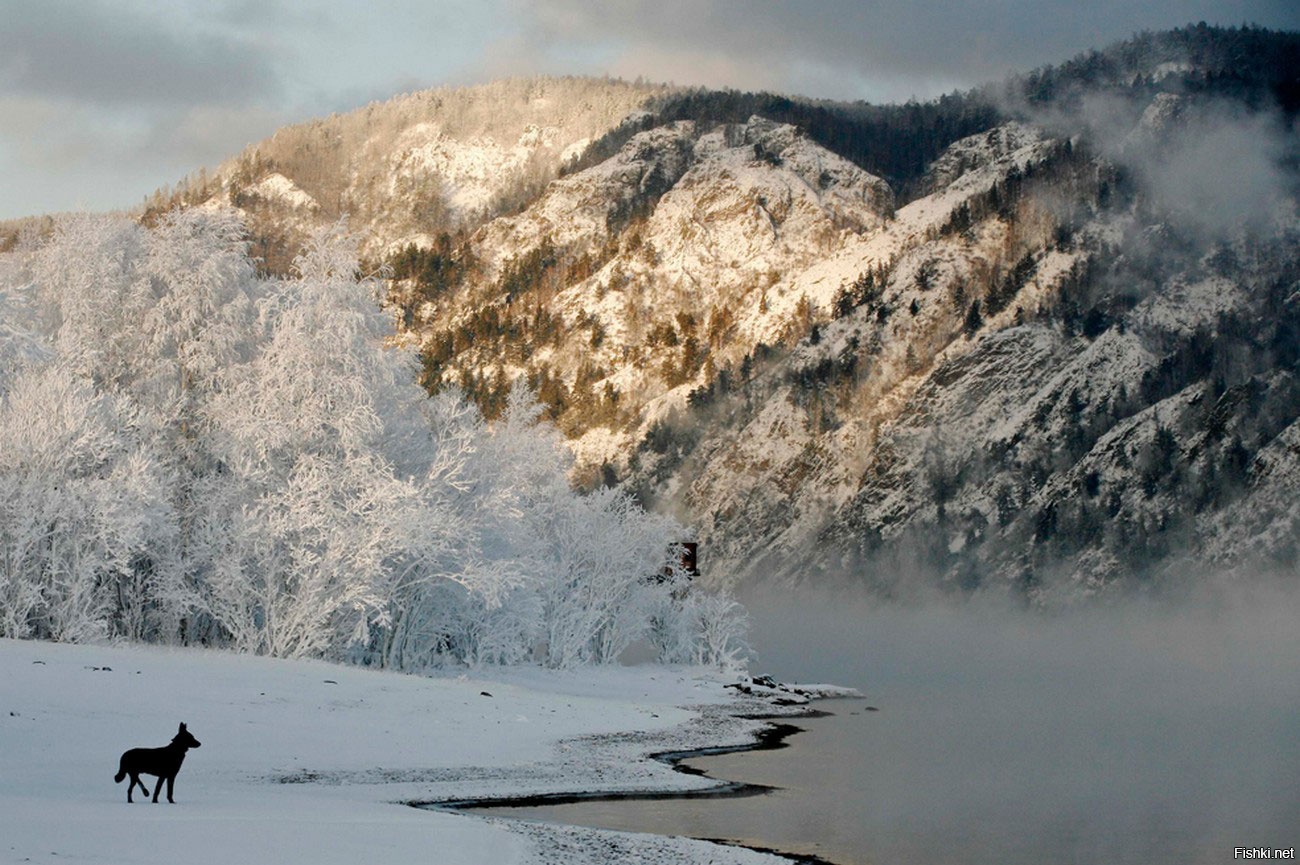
601	571
315	430
601	565
154	319
20	343
93	296
189	452
198	336
81	512
716	626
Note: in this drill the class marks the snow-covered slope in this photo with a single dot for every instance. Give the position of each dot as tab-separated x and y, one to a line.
692	241
1009	407
751	331
310	762
417	165
1033	335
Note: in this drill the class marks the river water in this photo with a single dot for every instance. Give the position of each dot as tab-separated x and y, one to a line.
1137	735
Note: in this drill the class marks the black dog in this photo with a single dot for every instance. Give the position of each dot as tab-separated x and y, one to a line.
164	762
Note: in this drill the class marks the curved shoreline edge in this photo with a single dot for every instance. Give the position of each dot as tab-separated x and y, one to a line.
306	760
772	735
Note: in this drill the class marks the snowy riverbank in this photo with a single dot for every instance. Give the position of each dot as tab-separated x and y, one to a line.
311	762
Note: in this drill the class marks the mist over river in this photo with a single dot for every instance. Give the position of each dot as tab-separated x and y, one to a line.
1140	733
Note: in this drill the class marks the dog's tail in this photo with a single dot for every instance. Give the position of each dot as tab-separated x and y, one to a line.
117	779
121	771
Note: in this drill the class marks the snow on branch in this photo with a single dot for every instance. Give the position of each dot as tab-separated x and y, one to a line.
190	453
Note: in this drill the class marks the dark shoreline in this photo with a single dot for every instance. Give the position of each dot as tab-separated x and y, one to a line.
769	738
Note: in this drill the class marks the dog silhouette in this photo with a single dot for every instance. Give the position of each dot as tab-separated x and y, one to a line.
164	762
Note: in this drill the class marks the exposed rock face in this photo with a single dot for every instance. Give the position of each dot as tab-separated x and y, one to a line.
1018	379
1016	409
692	243
1018	370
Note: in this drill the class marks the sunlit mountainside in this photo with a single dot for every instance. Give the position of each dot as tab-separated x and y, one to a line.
1042	336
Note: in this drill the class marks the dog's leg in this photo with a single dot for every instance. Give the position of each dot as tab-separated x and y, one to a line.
171	779
157	788
135	779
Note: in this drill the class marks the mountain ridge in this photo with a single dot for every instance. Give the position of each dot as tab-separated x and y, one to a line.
1038	337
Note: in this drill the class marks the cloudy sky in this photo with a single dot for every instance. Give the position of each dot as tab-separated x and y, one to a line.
101	102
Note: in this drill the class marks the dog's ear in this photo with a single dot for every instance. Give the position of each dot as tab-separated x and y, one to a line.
182	726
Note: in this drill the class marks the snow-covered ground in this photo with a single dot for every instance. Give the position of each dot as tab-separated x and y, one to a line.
312	762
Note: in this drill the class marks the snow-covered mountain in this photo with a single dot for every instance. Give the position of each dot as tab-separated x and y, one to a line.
629	284
1043	381
1042	336
405	170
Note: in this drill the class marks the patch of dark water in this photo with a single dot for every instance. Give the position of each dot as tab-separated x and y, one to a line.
771	737
555	807
760	805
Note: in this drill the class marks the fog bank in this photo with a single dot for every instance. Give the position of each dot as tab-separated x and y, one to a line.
1147	731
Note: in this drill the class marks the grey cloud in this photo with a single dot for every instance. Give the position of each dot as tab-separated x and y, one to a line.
203	135
258	15
26	129
891	46
92	53
57	138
